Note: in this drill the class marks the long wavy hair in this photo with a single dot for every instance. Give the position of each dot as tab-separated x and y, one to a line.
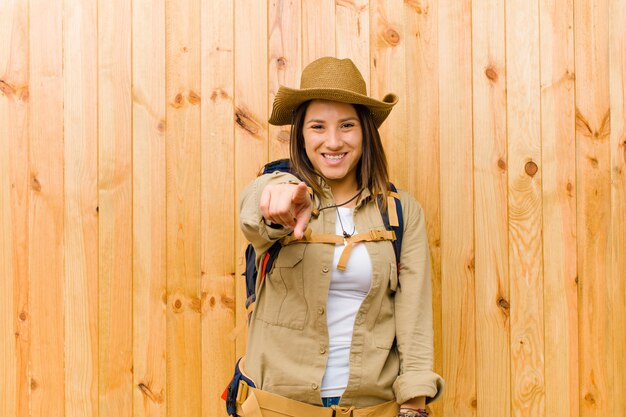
371	170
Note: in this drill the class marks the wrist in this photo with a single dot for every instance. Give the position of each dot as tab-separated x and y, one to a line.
412	412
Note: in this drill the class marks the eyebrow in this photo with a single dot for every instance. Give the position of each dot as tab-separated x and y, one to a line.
340	120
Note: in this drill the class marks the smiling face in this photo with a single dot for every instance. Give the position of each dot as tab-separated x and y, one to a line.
333	139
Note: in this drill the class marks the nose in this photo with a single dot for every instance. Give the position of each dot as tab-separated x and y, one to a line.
333	139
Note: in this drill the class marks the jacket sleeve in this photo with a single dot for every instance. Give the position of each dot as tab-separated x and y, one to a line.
253	226
413	311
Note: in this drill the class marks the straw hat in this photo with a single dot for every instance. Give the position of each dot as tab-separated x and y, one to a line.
329	79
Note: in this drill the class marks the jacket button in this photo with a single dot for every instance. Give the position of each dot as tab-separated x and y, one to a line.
320	311
314	386
325	269
322	350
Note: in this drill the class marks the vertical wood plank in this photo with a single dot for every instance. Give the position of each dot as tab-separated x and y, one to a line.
388	72
114	187
593	205
422	136
617	277
352	31
559	207
14	209
285	56
525	203
183	84
218	204
457	212
46	248
318	30
148	208
491	216
251	114
80	58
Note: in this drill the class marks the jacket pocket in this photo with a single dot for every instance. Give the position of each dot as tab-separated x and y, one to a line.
385	329
282	301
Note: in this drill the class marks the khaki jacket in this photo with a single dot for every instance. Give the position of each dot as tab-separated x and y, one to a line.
392	344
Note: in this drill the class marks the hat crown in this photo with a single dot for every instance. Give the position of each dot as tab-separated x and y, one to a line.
329	72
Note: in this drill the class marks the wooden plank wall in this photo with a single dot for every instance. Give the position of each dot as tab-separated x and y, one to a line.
128	128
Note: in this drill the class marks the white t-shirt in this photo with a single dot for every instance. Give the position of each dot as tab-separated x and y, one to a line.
347	290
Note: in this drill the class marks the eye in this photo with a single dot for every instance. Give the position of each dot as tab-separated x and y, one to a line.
347	125
316	127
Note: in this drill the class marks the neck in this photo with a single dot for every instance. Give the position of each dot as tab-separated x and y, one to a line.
344	194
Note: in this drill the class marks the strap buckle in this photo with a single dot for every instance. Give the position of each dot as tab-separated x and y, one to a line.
339	411
242	391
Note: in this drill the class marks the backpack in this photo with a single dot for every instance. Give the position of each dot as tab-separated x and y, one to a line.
394	224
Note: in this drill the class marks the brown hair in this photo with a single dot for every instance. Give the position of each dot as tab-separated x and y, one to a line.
371	171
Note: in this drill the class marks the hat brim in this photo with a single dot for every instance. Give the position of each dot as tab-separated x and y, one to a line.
288	99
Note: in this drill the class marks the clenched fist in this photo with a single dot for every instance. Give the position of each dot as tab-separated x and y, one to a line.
288	205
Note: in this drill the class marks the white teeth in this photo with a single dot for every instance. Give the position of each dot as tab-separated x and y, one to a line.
334	157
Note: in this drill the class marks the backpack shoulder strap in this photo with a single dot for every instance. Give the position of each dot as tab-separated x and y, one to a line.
393	218
282	165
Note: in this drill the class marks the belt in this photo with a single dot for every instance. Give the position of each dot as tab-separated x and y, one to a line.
253	402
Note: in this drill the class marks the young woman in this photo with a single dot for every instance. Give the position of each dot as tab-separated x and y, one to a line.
337	322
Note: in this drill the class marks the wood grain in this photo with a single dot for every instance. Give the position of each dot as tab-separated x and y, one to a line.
80	138
183	163
148	209
14	210
593	205
318	29
422	137
559	207
493	297
114	194
388	75
218	204
525	202
457	212
617	264
251	128
46	247
285	57
352	31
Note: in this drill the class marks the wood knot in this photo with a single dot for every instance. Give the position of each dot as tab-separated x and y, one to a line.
474	403
392	37
161	126
147	392
184	49
33	384
283	136
35	184
531	168
24	94
501	164
178	305
503	304
228	302
218	93
471	265
590	399
491	73
22	316
193	98
6	88
178	101
246	122
593	161
212	302
417	6
281	63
